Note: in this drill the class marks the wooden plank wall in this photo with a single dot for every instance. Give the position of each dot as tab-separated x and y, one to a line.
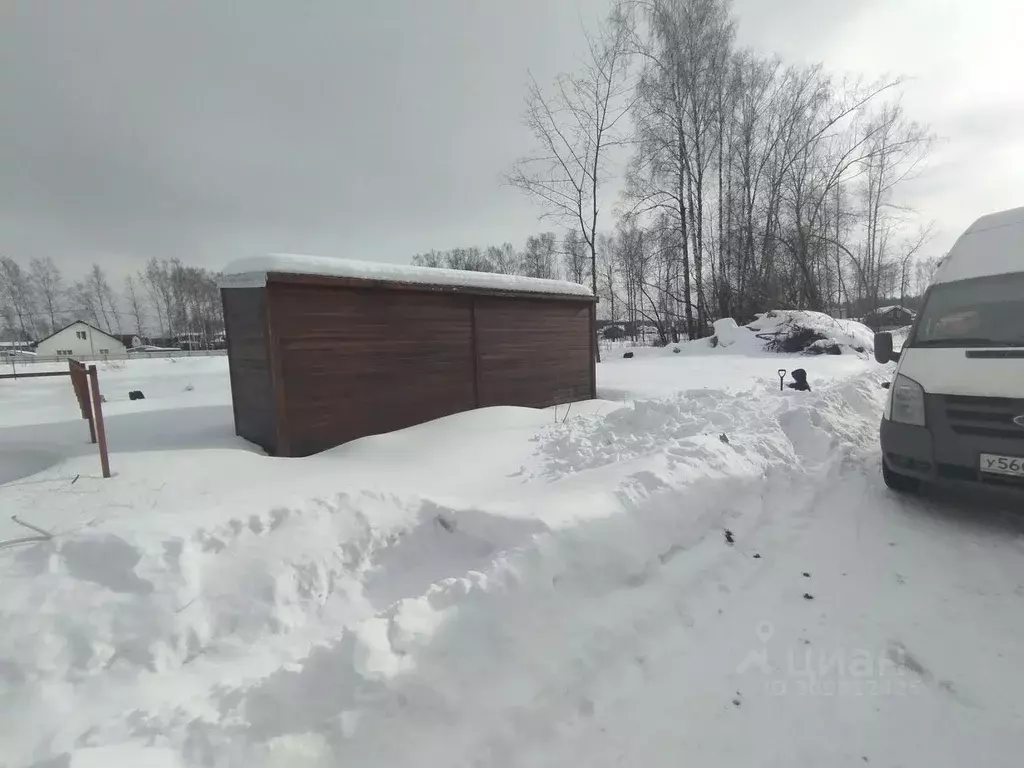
352	362
362	362
252	395
533	352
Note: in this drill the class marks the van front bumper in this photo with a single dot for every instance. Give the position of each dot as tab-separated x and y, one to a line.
907	450
944	452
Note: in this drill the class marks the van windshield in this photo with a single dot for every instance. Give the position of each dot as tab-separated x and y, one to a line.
984	311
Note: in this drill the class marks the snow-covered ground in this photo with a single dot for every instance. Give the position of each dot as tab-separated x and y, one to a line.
696	569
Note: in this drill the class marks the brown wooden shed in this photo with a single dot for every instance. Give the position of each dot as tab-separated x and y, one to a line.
323	351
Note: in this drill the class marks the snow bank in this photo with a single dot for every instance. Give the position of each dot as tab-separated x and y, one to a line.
225	627
602	585
252	272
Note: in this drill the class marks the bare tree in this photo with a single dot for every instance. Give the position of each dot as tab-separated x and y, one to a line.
48	285
433	259
924	273
16	296
539	256
685	54
504	259
576	125
896	149
134	299
157	280
575	257
608	284
98	299
472	259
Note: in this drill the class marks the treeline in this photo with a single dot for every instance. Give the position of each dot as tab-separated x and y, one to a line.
745	183
543	255
163	300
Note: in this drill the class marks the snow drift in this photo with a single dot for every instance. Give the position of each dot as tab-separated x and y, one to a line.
316	632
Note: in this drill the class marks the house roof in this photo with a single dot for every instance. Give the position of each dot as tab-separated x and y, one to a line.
80	322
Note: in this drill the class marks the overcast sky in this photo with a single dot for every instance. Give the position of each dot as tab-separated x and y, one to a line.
374	129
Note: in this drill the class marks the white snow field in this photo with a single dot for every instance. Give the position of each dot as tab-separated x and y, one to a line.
707	572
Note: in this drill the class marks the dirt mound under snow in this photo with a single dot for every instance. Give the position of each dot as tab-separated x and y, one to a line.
797	331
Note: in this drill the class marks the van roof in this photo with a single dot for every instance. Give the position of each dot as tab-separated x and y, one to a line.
993	245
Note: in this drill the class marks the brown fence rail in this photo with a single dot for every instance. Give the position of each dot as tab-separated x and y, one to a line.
85	382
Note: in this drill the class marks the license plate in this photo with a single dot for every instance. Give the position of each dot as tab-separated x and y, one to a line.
1002	465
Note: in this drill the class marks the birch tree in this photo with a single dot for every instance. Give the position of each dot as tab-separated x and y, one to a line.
48	285
133	296
16	297
576	124
684	53
575	258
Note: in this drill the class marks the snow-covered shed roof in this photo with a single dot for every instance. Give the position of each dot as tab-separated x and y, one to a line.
252	273
892	308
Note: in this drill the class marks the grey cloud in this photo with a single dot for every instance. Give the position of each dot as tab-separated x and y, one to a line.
207	129
200	129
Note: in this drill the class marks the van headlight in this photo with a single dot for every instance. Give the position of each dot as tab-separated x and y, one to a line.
907	401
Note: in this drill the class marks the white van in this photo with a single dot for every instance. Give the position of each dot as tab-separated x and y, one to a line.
956	405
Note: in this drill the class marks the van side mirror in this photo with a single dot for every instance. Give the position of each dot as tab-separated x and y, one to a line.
883	348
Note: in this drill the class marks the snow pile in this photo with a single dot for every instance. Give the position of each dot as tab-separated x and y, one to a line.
252	273
812	333
726	331
231	632
792	331
687	426
716	431
603	585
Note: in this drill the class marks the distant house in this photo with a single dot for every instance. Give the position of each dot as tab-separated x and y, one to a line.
889	317
79	340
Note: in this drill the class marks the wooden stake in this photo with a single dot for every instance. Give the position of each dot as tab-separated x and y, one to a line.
80	383
97	411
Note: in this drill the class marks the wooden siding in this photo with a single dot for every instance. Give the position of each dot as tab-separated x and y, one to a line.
319	362
358	362
252	395
533	352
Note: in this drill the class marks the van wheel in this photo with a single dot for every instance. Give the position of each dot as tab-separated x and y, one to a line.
898	482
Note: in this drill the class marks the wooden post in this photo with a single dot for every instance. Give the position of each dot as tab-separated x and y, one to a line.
97	409
595	350
80	383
